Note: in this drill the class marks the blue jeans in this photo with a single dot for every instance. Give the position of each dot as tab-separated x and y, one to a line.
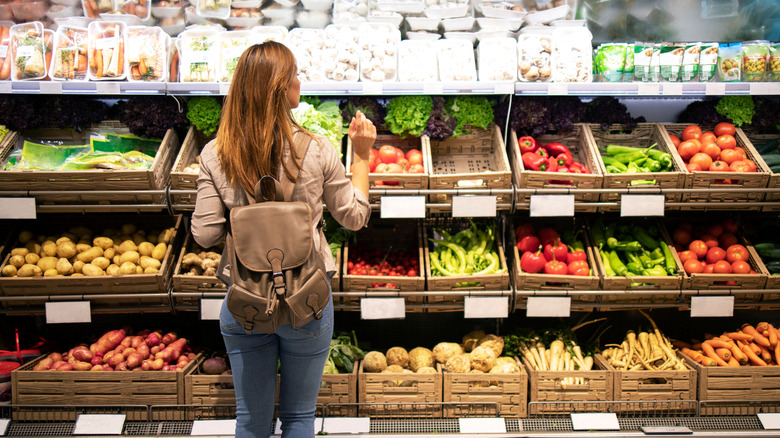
253	359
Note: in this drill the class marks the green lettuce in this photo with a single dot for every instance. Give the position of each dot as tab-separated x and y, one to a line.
324	120
473	111
408	115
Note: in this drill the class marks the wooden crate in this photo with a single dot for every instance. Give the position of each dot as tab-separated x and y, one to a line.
547	386
743	281
747	136
387	399
406	181
509	391
471	161
191	147
131	182
7	145
194	283
711	180
643	135
76	388
107	284
666	387
582	150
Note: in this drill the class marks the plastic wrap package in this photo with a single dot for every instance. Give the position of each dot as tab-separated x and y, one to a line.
5	50
610	61
147	54
29	10
308	47
350	11
199	54
317	5
93	8
231	45
212	8
244	18
139	8
423	24
417	61
456	60
69	57
447	8
27	51
708	61
6	11
107	49
278	15
378	52
312	19
497	59
166	9
500	9
261	34
341	60
534	51
61	11
572	58
173	25
754	60
404	7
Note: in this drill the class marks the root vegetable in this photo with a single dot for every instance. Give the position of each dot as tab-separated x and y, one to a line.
459	363
82	366
17	261
49	248
443	351
495	343
131	256
91	270
29	270
44	364
482	358
89	255
64	267
9	271
374	362
159	251
172	351
20	252
420	357
66	249
397	356
32	258
169	337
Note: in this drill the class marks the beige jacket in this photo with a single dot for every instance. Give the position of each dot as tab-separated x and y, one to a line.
322	179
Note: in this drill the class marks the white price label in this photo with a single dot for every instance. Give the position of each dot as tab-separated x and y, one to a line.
541	307
5	87
402	207
642	205
433	88
4	422
224	88
107	87
673	89
595	421
334	425
769	420
372	88
650	88
504	88
665	430
473	206
715	88
213	427
317	426
486	307
105	43
3	51
210	308
51	87
382	308
557	89
65	312
17	208
712	306
25	51
552	205
99	424
758	88
481	426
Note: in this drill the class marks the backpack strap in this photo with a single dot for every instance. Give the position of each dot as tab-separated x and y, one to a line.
300	145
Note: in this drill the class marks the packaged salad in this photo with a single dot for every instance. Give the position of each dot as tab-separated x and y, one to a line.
199	54
107	50
231	45
28	51
69	58
610	61
147	53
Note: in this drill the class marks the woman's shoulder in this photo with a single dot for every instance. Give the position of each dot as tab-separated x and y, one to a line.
209	152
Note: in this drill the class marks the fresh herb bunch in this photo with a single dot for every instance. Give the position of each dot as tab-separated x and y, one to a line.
740	109
336	234
370	107
204	113
343	354
441	124
473	111
30	112
151	116
408	115
607	110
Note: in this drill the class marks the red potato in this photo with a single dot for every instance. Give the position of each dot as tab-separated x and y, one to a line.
173	351
134	360
82	353
143	350
121	366
128	351
96	360
65	367
127	341
136	341
44	364
158	364
115	360
168	368
82	366
169	337
97	367
153	339
146	365
119	348
154	350
56	365
54	356
98	348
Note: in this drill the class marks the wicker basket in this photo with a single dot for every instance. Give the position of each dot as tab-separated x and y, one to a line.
191	147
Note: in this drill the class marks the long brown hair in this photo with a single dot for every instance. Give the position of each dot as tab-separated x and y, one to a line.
256	116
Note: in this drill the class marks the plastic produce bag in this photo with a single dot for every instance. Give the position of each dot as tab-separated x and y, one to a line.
572	60
27	51
107	50
69	58
147	53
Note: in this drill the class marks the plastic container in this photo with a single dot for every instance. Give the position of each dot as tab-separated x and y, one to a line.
261	34
5	50
27	51
456	60
491	34
244	18
341	53
80	21
76	3
350	11
231	45
449	10
423	23
60	11
392	18
318	5
378	52
212	8
400	6
276	12
128	19
146	52
547	16
502	10
422	35
30	10
139	8
166	11
199	54
572	60
175	26
504	24
467	36
308	47
107	42
497	59
462	24
67	62
534	51
93	8
250	4
417	61
313	19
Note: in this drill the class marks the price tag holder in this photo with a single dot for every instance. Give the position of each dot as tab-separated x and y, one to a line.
481	426
642	205
224	88
372	88
769	420
210	308
213	427
504	88
473	206
107	88
382	308
99	424
554	89
540	307
4	423
333	425
666	430
65	312
485	307
433	88
552	206
673	89
715	88
51	87
17	208
712	306
764	88
402	207
5	87
595	421
648	88
317	426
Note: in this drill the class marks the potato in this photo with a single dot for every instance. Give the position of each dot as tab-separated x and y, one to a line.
9	271
159	251
127	268
116	260
17	261
32	258
77	274
109	253
34	247
49	248
70	236
62	239
25	236
151	270
129	256
83	246
127	245
90	254
128	229
66	249
77	265
91	270
20	251
112	269
50	273
148	262
28	270
153	239
145	248
139	270
103	242
80	230
101	262
46	263
64	267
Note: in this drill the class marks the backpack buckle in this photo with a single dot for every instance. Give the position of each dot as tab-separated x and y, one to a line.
318	315
279	287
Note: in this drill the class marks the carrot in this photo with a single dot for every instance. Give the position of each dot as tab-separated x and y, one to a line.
708	336
99	62
708	361
757	337
737	354
695	355
739	335
174	67
754	347
765	354
696	345
5	70
72	64
733	362
710	352
121	57
723	353
772	335
752	357
82	64
134	72
48	49
141	67
719	343
93	60
92	8
676	343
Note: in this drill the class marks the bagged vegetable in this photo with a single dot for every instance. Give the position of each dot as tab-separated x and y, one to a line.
773	63
497	59
147	53
690	62
107	50
70	54
93	8
670	60
378	52
610	61
628	68
199	54
5	52
728	62
27	51
231	45
456	60
643	53
754	56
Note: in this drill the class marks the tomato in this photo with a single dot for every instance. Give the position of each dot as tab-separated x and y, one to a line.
727	239
725	128
737	252
414	156
387	154
548	235
394	168
715	254
729	156
710	240
712	150
726	142
722	267
682	236
691	131
399	154
381	168
740	267
404	163
730	225
715	230
709	269
702	160
416	168
740	166
707	137
698	247
719	166
675	139
693	266
692	167
751	164
687	255
688	149
741	152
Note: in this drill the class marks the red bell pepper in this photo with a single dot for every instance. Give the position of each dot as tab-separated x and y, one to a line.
564	159
532	262
527	144
543	152
556	251
577	167
556	149
529	242
562	169
532	161
553	167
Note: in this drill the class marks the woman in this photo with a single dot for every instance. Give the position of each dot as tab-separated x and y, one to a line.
254	139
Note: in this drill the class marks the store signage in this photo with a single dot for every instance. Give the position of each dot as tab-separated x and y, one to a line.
552	206
402	207
764	88
210	308
51	87
486	307
65	312
107	87
481	426
541	307
473	206
382	308
769	420
317	426
372	88
595	421
433	88
722	306
213	427
346	425
642	205
224	88
17	208
4	422
647	89
99	424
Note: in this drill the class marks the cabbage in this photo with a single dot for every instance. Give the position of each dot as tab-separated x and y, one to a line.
324	120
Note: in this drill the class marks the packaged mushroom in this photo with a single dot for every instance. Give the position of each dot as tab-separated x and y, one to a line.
378	52
231	45
199	54
341	60
261	34
350	11
308	47
572	60
417	61
534	48
456	60
497	59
